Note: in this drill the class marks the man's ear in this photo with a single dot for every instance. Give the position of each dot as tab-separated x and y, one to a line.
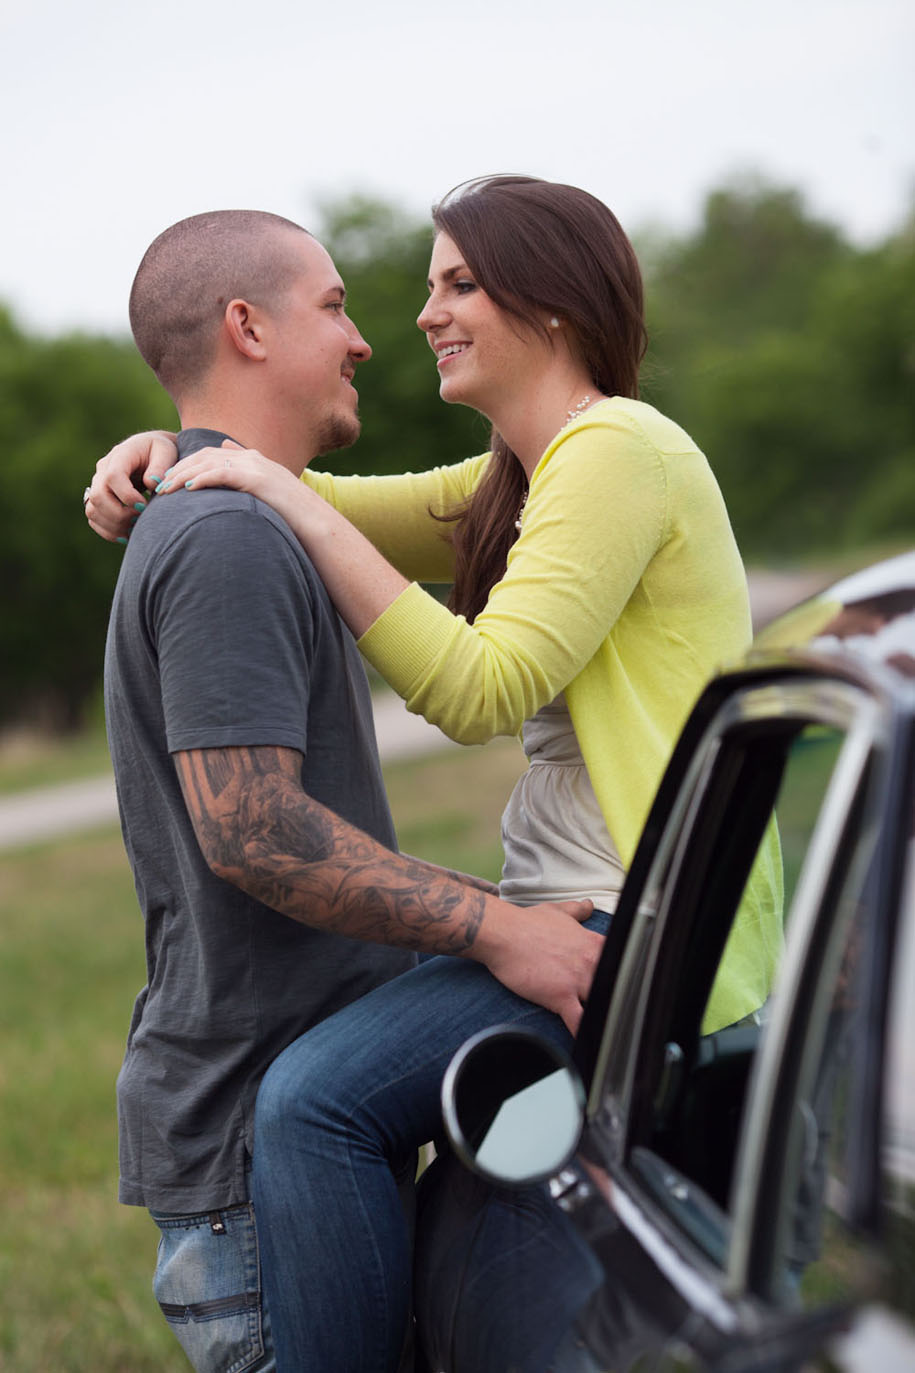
244	329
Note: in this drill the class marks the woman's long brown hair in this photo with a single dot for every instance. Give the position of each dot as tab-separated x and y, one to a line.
539	248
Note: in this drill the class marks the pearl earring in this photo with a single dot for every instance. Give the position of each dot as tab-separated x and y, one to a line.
554	323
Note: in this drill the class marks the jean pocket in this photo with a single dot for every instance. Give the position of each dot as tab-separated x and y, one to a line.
207	1283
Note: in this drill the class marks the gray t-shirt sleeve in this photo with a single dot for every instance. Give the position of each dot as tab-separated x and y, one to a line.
233	621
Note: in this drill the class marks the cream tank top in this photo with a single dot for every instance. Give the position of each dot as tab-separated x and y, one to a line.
556	843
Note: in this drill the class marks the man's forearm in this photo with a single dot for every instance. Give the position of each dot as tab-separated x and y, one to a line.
480	883
357	887
258	828
260	831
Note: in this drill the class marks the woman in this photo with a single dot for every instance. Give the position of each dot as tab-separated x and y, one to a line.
596	587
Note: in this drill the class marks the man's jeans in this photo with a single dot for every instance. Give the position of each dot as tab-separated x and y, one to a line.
207	1283
338	1114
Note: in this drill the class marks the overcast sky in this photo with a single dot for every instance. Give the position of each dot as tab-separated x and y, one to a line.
119	118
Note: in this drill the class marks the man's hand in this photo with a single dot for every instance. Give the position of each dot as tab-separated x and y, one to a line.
115	499
543	954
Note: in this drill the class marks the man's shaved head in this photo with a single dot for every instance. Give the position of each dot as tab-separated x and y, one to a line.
191	272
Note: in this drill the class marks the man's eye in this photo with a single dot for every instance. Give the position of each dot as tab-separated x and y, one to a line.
336	305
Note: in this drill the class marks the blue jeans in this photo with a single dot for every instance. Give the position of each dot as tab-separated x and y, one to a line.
338	1114
207	1283
500	1276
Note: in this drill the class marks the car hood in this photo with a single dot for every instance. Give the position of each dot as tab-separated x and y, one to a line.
867	616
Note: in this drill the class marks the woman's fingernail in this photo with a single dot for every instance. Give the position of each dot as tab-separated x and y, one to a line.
139	506
190	483
151	476
121	540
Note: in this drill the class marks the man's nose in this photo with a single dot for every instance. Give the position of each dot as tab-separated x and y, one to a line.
358	348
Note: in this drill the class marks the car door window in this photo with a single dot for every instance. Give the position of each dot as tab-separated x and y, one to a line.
826	1251
897	1182
817	1258
691	1099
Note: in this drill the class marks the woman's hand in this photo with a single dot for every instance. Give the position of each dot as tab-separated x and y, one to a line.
115	498
360	583
241	469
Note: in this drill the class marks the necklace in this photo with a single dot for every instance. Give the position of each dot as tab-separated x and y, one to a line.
570	416
581	406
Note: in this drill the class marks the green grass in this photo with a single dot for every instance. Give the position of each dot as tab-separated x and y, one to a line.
447	807
75	1267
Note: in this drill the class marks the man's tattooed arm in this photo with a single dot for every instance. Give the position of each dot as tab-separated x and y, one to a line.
480	883
258	829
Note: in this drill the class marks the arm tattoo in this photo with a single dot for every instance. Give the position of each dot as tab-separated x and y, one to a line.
258	829
481	883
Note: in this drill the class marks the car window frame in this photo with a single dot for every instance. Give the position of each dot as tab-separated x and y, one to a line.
608	1015
762	1177
625	1068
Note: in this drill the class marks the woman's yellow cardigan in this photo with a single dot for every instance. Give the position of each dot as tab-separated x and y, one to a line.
625	590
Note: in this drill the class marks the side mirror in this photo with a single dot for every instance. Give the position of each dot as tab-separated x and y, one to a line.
514	1106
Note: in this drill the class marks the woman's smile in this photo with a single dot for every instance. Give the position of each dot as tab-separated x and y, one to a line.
444	352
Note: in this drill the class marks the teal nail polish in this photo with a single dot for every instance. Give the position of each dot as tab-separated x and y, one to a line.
151	476
121	541
139	506
189	483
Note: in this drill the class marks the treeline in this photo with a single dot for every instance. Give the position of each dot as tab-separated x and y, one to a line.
786	351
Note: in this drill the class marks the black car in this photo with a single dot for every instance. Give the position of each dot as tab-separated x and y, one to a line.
743	1199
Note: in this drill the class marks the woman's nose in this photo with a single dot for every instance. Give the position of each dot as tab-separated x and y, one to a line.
431	316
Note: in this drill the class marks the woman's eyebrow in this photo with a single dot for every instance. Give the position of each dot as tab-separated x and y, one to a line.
448	274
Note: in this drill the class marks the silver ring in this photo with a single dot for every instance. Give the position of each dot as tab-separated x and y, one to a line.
86	494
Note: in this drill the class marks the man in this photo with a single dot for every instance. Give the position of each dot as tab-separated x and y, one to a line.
251	796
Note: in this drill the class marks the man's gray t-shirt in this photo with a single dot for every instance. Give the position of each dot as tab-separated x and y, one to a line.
222	635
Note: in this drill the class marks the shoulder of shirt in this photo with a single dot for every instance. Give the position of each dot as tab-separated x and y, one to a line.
203	516
620	414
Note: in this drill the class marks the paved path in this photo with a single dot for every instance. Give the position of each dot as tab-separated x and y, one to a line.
772	593
69	807
47	812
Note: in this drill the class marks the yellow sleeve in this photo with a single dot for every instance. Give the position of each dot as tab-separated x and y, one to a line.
595	516
397	513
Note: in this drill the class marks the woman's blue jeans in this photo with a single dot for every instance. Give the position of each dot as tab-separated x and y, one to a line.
339	1113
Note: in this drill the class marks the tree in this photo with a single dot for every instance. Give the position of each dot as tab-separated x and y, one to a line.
62	403
785	352
383	257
